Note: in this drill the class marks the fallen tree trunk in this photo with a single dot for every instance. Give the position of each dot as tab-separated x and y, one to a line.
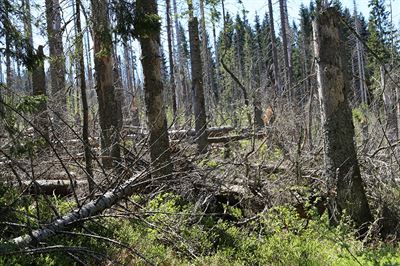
228	139
182	133
211	132
92	208
57	187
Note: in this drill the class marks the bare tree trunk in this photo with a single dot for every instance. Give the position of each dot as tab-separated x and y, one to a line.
57	62
309	122
118	86
27	17
131	85
2	109
89	67
171	57
217	89
153	87
39	89
197	82
341	164
207	68
361	74
85	108
109	109
183	74
286	47
278	85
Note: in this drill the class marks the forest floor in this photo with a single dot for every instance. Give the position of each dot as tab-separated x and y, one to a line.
255	201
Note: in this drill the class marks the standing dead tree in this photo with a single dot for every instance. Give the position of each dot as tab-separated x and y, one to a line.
341	164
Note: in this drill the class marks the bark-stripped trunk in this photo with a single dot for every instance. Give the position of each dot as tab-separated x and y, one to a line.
278	85
57	61
197	83
109	109
286	48
171	58
85	108
217	88
41	120
153	88
89	67
341	164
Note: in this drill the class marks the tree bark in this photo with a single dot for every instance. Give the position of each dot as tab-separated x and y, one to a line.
341	164
109	109
197	83
57	61
39	89
153	88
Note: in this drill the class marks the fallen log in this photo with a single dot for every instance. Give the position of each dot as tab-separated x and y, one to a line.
182	133
90	209
58	187
227	139
211	131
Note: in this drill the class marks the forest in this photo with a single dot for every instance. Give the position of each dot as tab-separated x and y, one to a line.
198	132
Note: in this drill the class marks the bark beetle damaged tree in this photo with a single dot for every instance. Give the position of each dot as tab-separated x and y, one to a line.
341	164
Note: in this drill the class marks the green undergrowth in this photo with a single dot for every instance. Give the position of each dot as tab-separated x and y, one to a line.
172	231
